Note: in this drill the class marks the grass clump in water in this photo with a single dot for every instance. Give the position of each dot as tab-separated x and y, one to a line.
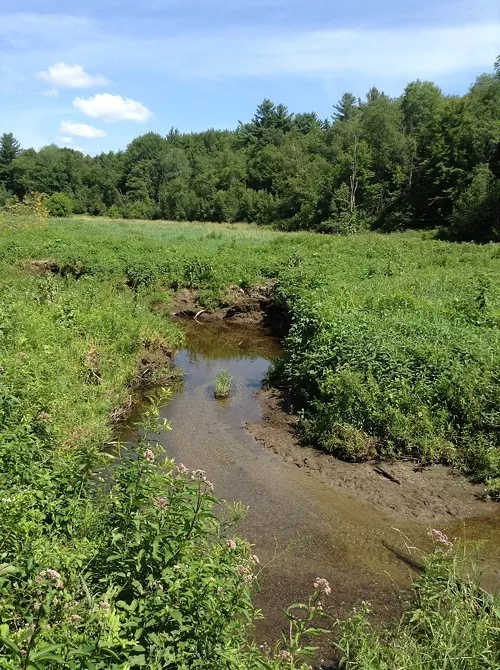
223	382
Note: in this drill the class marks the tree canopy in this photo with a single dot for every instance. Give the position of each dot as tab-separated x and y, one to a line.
422	160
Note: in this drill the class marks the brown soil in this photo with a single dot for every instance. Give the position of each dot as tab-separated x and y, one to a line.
401	489
41	267
155	369
252	307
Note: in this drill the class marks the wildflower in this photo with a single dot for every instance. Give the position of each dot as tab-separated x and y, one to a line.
182	468
286	655
75	618
440	537
53	574
50	575
161	502
44	416
198	474
322	585
220	590
231	544
255	559
36	607
208	484
104	605
149	455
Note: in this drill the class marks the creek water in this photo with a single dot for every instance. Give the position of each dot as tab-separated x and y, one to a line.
301	528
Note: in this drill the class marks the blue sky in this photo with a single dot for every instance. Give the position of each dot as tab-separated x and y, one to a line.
96	74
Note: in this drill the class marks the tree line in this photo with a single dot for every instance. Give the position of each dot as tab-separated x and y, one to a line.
422	160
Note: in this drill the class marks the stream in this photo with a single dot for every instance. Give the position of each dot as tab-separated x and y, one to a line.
300	527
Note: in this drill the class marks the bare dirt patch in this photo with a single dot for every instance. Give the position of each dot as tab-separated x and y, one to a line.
403	490
252	307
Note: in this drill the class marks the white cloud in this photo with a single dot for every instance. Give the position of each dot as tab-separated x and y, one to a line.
81	130
61	75
112	107
66	139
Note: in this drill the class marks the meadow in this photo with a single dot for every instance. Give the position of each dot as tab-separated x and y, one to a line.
392	351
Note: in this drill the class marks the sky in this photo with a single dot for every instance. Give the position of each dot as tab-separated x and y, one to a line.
93	75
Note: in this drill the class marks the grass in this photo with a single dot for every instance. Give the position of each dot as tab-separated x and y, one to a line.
449	623
393	350
222	384
394	342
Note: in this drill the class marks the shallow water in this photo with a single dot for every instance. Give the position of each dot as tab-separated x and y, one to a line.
301	527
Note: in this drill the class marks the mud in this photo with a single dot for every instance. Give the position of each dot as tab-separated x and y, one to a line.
252	307
324	518
402	490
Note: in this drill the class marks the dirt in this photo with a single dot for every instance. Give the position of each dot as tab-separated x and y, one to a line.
155	369
402	490
251	307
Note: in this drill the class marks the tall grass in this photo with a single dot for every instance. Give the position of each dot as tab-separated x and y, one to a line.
450	623
393	350
222	384
394	342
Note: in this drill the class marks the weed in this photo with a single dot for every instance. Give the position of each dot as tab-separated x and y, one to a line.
223	383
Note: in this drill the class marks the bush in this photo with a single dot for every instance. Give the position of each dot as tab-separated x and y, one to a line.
60	205
114	212
476	214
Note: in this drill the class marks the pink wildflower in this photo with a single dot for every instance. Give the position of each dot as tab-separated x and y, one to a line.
255	559
53	574
440	537
104	605
231	544
182	468
322	585
75	618
149	455
286	655
161	503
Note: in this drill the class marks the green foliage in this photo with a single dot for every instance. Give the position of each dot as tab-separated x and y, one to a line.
113	212
451	623
117	561
476	215
60	205
392	163
222	384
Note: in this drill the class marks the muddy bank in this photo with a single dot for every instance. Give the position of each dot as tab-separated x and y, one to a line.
327	518
402	490
252	307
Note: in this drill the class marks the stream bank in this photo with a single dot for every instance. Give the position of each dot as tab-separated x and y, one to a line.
302	525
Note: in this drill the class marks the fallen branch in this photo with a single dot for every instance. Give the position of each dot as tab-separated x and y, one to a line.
387	475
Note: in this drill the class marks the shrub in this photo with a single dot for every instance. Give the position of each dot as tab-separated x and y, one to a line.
60	205
30	212
114	212
476	214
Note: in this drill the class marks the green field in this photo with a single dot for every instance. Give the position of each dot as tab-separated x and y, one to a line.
393	351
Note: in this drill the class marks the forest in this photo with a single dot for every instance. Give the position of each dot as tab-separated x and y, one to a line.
422	160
